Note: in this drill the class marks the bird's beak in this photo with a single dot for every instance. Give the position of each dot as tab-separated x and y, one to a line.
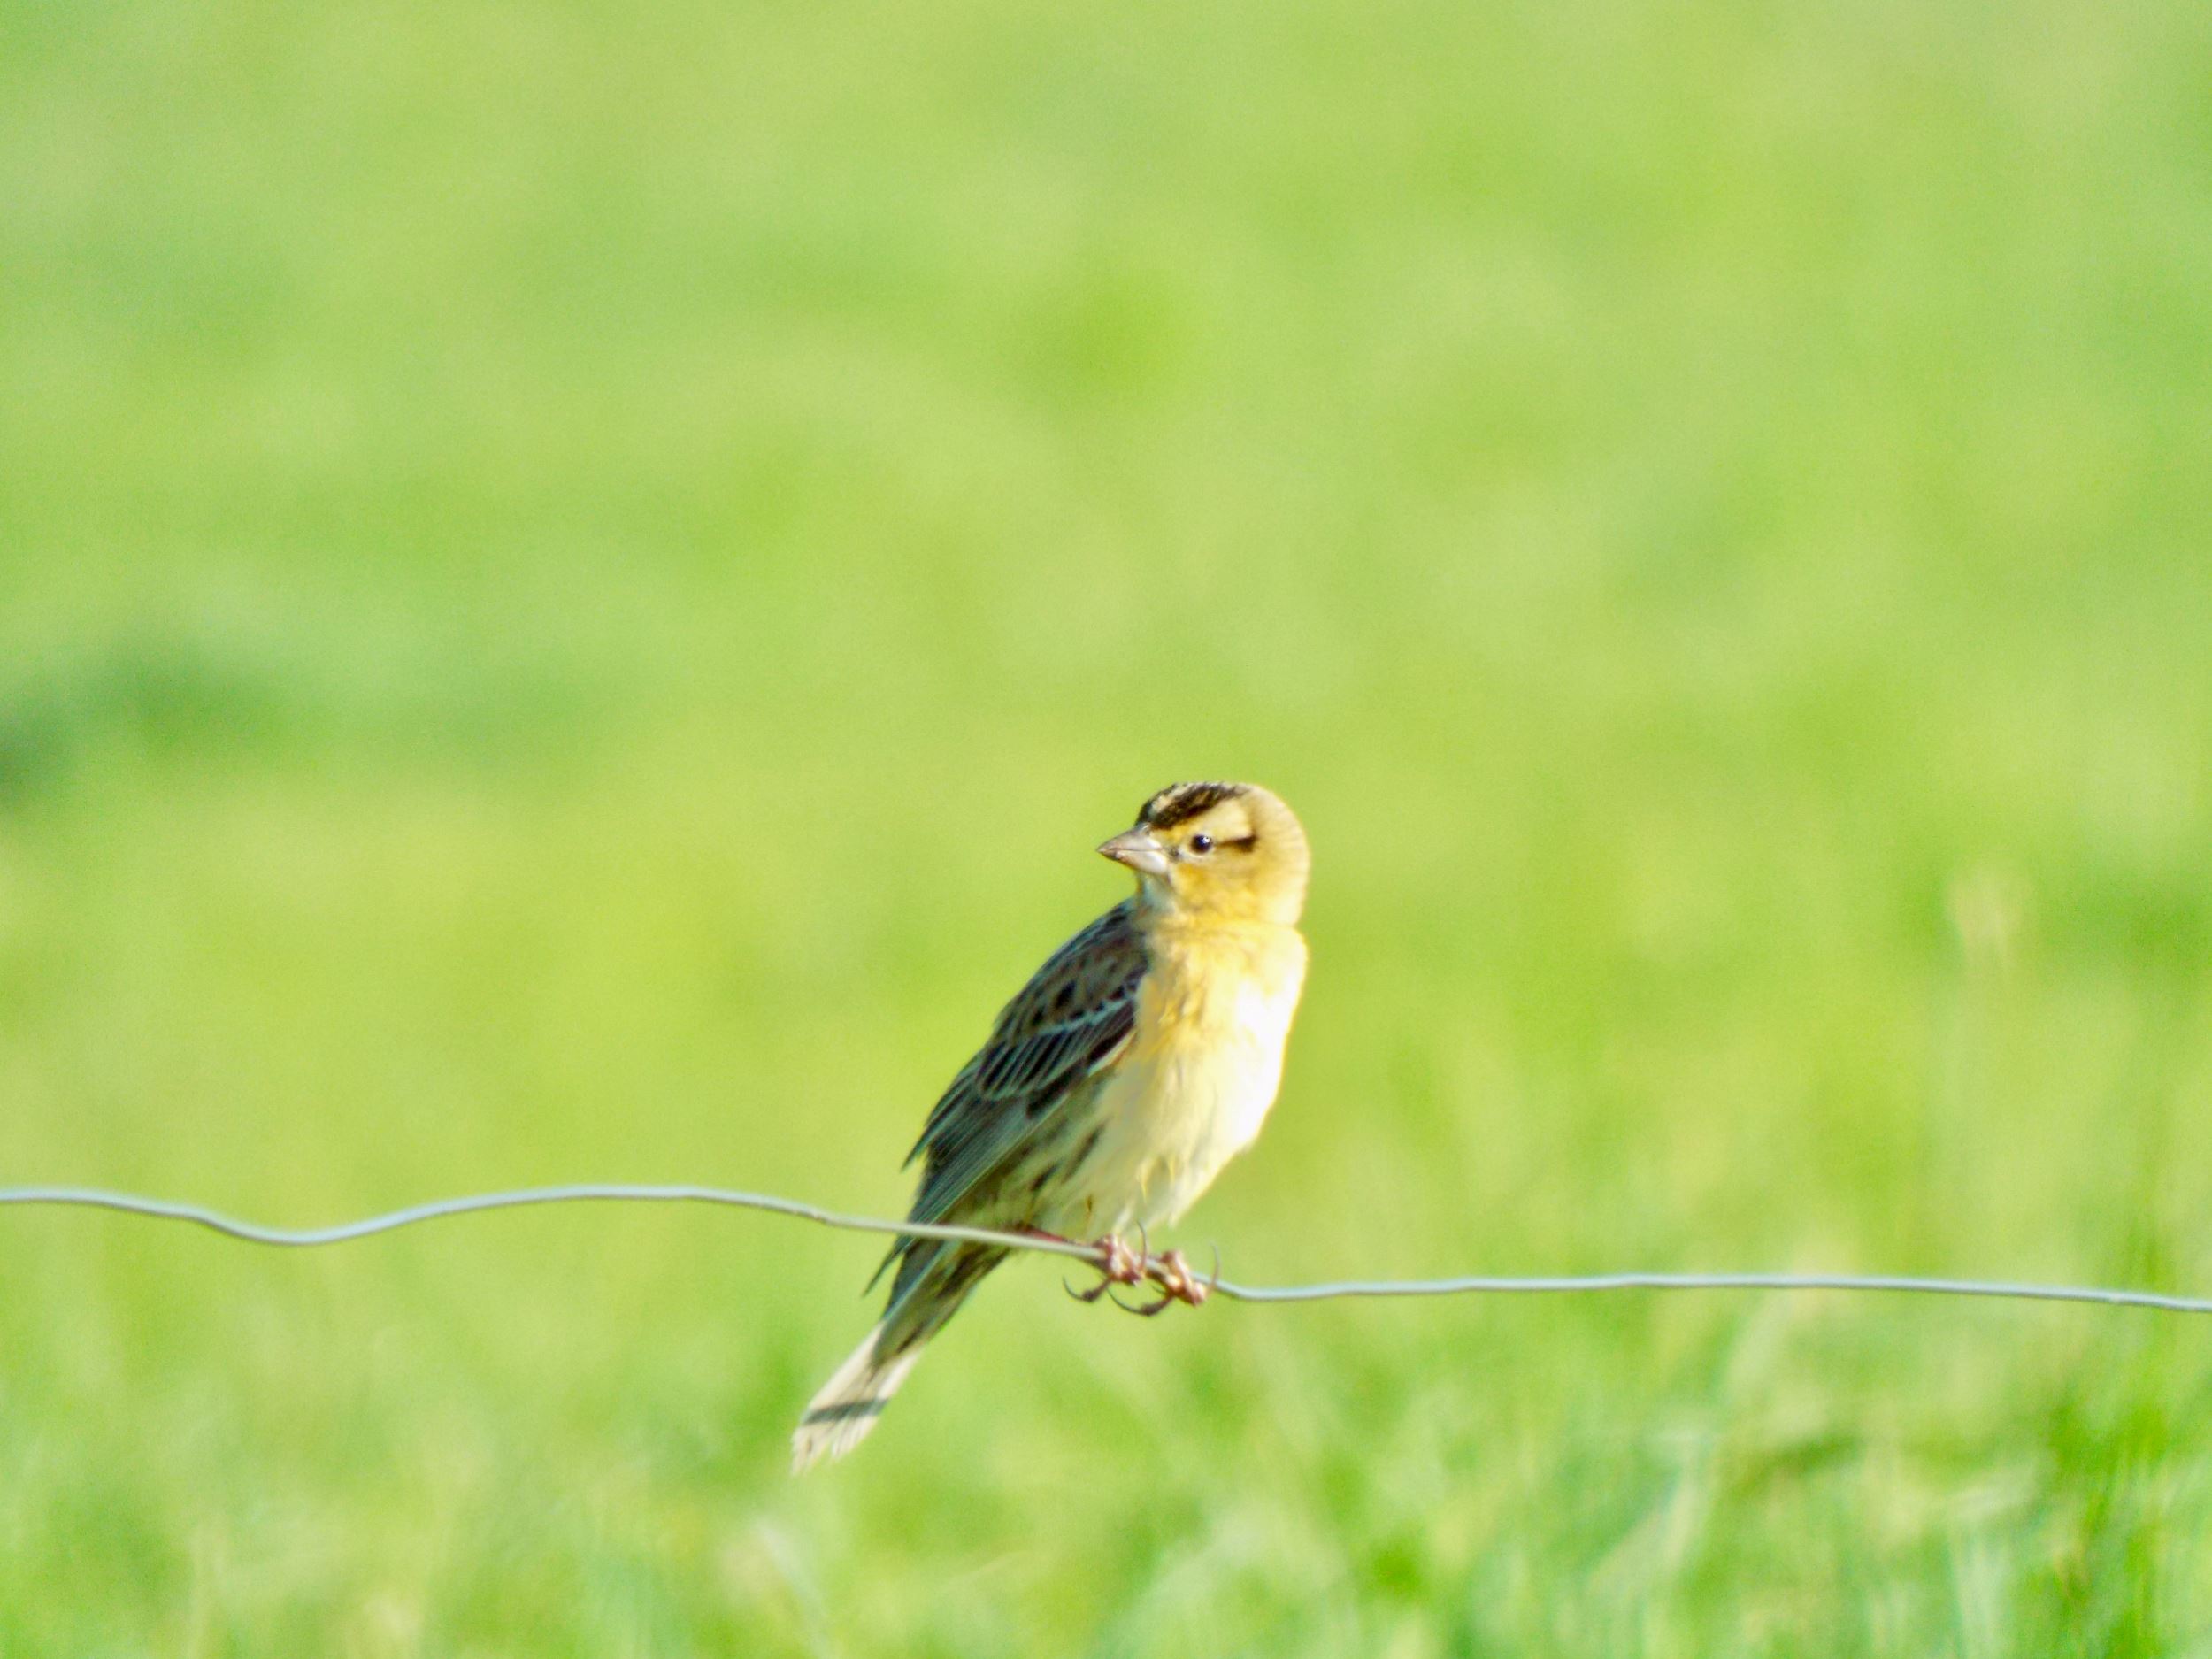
1139	849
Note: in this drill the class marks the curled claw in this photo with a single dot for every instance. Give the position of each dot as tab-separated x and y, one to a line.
1119	1266
1176	1283
1170	1274
1105	1288
1116	1265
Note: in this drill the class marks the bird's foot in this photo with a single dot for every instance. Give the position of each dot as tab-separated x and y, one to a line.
1117	1265
1172	1275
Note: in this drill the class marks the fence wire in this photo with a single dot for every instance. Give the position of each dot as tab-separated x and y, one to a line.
598	1193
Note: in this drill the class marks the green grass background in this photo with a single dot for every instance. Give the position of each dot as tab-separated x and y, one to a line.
577	582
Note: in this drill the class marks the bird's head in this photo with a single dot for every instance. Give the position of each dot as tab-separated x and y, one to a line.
1224	851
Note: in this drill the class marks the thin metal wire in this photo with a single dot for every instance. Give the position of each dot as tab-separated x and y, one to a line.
391	1221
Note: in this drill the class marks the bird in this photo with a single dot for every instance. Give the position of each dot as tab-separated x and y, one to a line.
1144	1054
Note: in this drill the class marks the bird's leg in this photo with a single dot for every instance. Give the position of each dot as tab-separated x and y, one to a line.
1117	1265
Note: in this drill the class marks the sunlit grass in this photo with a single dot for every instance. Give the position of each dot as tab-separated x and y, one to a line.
574	591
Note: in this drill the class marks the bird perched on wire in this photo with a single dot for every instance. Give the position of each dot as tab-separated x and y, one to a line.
1140	1059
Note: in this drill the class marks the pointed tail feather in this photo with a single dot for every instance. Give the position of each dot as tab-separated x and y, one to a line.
838	1418
933	1280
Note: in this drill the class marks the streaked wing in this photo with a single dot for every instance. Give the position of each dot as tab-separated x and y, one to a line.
1072	1019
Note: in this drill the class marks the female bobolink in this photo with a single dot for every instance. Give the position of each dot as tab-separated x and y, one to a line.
1142	1056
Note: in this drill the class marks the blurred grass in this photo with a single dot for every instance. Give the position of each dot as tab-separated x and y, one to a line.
575	585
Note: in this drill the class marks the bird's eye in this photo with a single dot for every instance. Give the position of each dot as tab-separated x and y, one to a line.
1202	844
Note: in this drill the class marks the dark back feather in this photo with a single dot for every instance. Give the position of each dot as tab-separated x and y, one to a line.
1070	1021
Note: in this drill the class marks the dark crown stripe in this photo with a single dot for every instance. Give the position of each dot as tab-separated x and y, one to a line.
1178	803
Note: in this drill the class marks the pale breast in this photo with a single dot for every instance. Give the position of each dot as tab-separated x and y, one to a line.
1199	1077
